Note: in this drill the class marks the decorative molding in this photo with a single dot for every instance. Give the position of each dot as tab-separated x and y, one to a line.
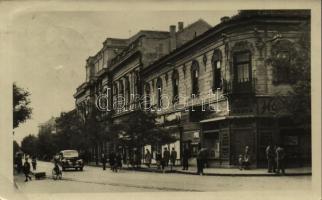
184	68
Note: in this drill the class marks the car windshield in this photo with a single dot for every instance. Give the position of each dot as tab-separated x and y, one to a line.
69	153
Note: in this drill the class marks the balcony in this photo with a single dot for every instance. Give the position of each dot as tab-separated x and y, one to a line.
240	87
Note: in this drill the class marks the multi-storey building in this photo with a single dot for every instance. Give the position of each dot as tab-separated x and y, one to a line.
118	64
214	87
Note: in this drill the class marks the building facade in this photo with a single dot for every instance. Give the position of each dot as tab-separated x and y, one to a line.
212	87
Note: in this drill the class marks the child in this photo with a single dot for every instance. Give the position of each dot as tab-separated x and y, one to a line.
240	161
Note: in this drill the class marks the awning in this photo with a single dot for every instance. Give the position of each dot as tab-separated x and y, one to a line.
227	117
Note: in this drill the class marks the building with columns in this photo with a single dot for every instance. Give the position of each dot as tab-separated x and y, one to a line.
213	87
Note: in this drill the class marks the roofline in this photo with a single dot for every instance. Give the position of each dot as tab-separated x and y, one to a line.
232	22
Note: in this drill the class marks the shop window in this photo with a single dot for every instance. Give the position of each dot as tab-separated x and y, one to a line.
175	86
195	78
216	70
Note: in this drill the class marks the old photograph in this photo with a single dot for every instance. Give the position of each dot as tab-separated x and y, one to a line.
149	101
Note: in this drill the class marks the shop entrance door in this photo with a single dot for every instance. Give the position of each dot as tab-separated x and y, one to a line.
212	143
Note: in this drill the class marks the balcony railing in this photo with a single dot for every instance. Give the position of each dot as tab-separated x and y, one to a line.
240	87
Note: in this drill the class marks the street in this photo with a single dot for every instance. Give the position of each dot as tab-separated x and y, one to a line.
95	180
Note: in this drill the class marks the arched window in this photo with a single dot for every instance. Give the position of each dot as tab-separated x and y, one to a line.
216	70
159	92
175	86
195	78
147	95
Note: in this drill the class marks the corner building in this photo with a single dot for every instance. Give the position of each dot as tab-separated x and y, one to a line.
228	87
213	87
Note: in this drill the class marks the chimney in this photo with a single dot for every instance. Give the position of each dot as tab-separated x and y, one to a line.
224	19
172	37
180	26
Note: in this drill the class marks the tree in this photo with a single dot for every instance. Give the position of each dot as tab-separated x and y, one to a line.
16	147
47	146
29	145
141	129
21	109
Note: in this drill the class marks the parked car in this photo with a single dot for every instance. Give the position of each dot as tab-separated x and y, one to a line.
70	159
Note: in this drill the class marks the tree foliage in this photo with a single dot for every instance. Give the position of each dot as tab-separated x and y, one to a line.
21	109
29	145
142	129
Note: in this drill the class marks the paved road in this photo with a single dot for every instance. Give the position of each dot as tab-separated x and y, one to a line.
95	180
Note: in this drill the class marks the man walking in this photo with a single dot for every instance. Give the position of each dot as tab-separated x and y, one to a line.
34	163
270	155
26	169
166	156
200	164
173	157
103	161
280	159
148	158
185	159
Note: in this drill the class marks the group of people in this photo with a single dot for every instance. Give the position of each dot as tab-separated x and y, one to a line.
162	161
275	159
114	159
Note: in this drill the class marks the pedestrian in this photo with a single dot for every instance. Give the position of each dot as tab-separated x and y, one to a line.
118	162
280	159
138	159
166	156
103	161
185	159
158	159
19	162
111	160
270	156
34	163
173	157
246	158
96	160
26	170
200	164
148	158
241	161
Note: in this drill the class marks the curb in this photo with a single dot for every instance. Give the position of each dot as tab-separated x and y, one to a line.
151	170
214	174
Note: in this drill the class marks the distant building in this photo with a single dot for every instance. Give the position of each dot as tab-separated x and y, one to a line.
219	76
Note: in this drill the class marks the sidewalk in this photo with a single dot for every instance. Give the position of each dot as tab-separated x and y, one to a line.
303	171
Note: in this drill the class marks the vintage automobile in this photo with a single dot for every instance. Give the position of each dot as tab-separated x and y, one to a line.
70	159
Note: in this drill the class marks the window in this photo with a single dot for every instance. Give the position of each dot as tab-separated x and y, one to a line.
121	88
128	90
195	78
281	61
242	65
216	70
159	92
147	95
175	86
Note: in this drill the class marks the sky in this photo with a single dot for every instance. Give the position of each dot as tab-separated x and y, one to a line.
50	49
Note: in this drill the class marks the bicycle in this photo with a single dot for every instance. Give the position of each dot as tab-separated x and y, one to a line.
56	173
